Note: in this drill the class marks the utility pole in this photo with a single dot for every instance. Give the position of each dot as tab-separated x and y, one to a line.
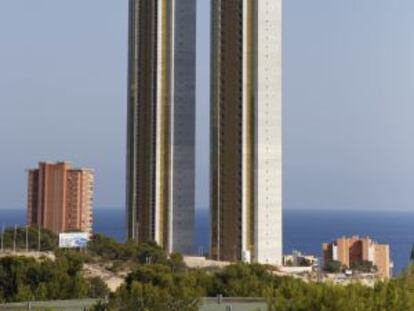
2	238
137	233
27	238
14	238
201	251
38	241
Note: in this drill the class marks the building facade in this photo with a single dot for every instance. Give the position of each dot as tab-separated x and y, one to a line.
60	198
161	123
356	249
297	259
246	131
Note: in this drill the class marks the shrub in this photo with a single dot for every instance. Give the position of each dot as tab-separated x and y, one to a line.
333	266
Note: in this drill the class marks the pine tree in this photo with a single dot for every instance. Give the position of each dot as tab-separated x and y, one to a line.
412	254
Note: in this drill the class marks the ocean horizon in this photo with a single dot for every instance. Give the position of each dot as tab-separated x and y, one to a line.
304	230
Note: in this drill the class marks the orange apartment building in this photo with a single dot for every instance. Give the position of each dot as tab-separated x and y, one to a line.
354	249
60	198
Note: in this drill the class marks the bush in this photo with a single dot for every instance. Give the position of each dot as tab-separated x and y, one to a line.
156	287
176	263
151	253
241	280
364	266
333	266
23	279
98	288
106	248
48	240
305	263
144	253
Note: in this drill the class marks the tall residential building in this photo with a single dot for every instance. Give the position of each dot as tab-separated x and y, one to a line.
246	124
60	198
350	251
161	123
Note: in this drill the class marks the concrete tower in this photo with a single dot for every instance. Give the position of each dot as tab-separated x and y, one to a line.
161	116
246	130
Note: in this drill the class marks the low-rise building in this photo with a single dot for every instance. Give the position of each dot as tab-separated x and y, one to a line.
297	259
355	250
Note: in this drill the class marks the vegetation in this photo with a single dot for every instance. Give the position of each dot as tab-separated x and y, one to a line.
24	279
333	266
305	262
364	266
48	240
109	249
156	287
295	295
162	283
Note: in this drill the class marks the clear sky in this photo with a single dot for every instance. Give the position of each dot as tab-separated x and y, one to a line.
348	99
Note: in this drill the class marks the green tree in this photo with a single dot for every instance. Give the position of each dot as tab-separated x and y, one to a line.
333	266
48	240
364	266
97	288
106	248
152	253
241	280
24	279
157	287
176	263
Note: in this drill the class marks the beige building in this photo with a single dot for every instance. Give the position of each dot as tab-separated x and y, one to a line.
357	249
297	259
60	198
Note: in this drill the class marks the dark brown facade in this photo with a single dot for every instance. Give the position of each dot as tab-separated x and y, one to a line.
148	118
232	101
246	131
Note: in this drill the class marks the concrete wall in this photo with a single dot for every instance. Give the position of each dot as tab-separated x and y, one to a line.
269	133
382	260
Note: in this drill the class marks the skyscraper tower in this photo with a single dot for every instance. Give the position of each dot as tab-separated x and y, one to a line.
161	117
246	131
60	198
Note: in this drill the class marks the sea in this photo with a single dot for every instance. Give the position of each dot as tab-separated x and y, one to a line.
303	230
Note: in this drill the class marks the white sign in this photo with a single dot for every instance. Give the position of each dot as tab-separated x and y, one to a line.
73	240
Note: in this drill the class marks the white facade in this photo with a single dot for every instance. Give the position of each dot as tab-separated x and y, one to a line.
161	86
334	252
371	253
268	209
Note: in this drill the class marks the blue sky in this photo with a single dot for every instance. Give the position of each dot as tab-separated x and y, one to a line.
348	99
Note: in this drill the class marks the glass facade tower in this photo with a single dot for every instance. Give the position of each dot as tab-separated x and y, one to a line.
161	129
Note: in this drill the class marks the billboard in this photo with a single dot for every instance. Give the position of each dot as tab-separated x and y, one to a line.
73	240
